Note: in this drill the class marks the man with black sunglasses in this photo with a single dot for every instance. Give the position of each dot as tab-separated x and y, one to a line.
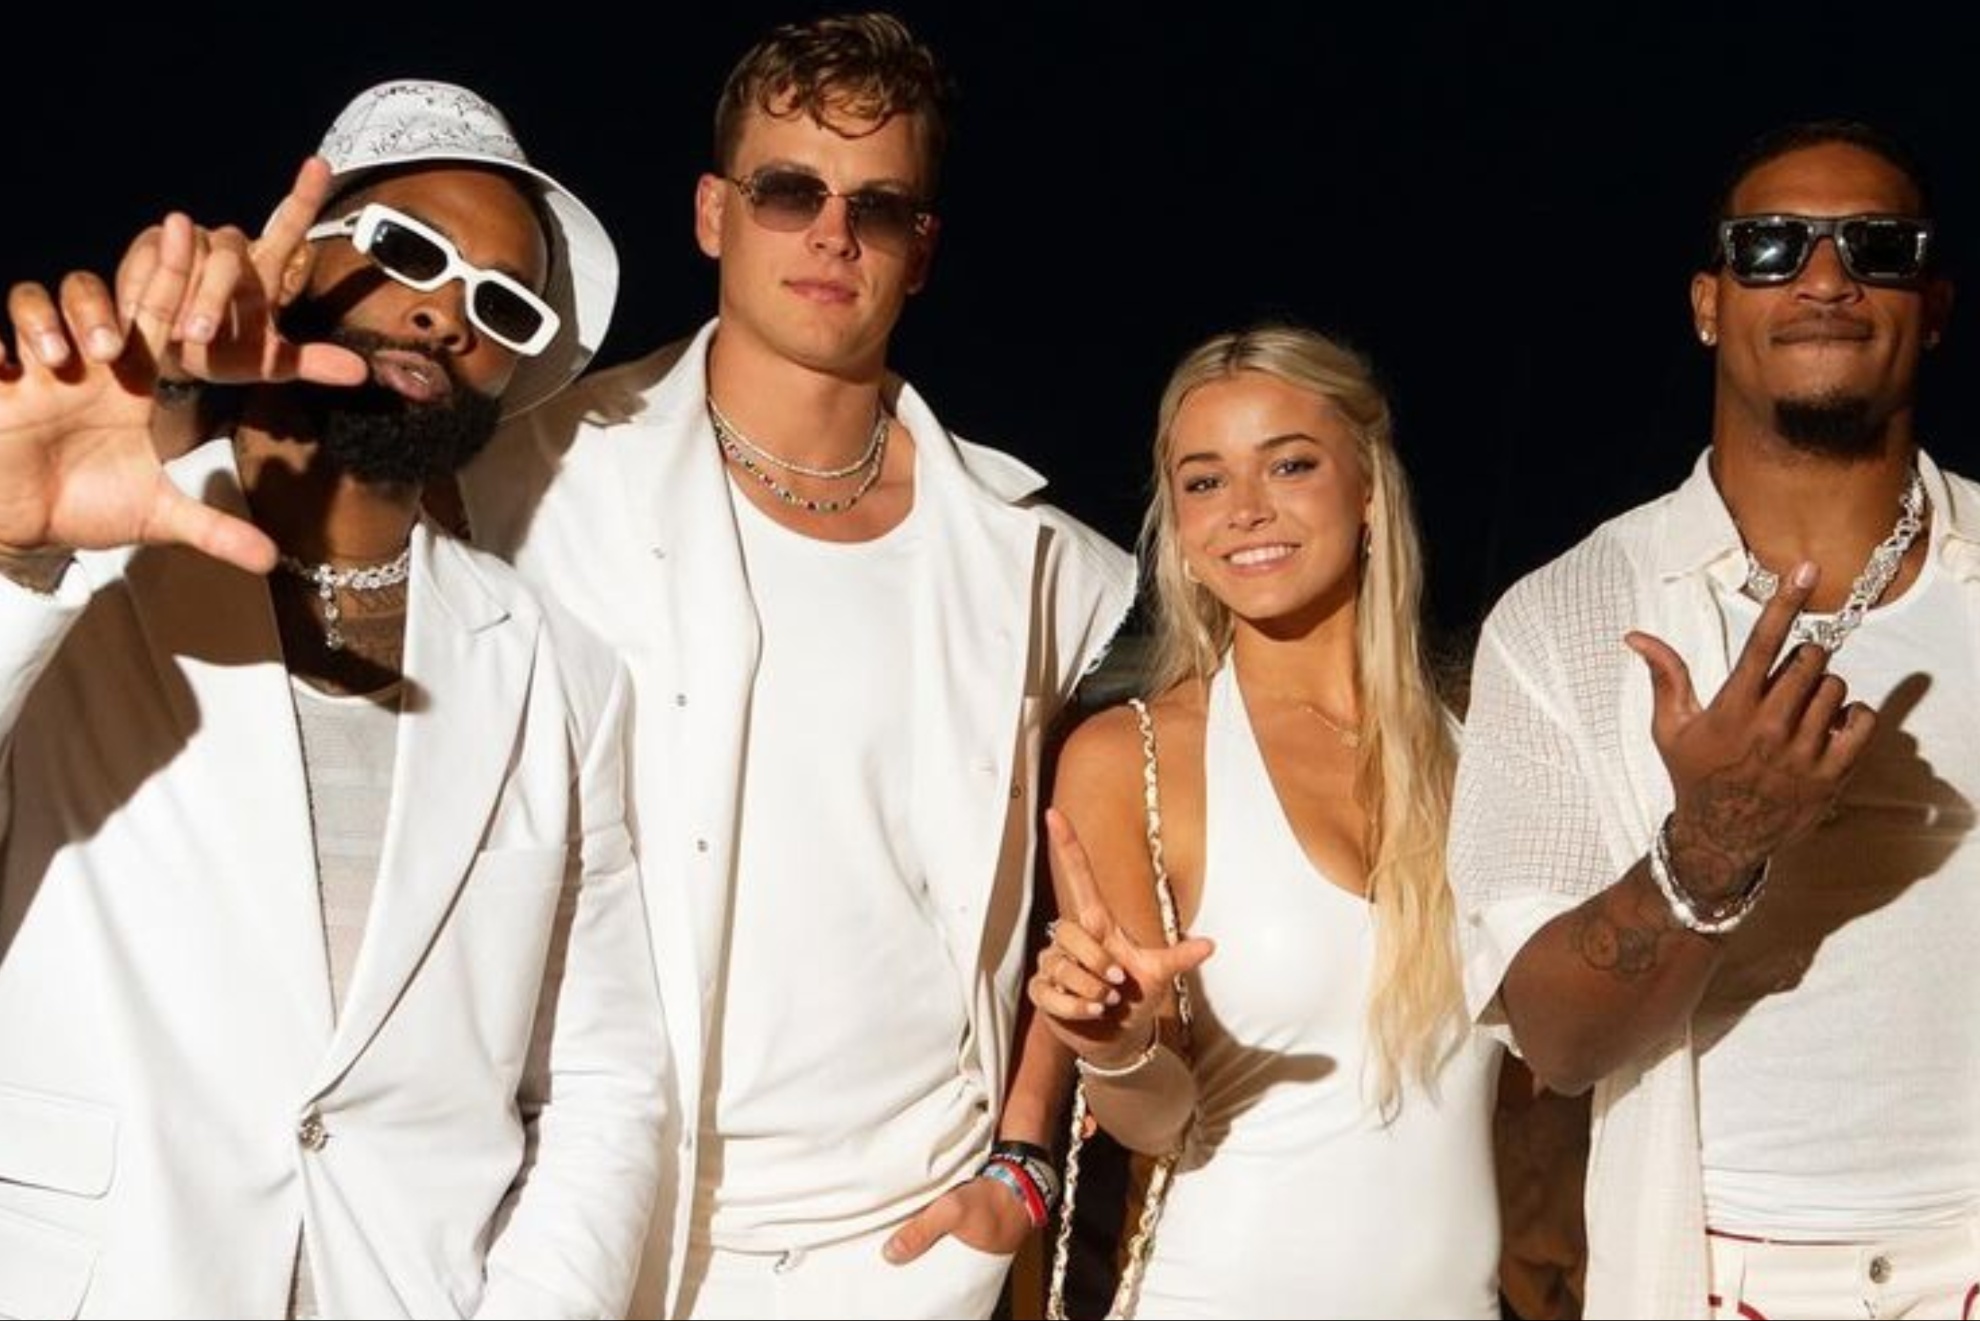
325	982
850	631
1714	822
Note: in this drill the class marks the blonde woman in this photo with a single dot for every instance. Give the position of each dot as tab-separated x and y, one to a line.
1332	1106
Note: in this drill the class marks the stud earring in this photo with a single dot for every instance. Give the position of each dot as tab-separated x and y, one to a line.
1707	336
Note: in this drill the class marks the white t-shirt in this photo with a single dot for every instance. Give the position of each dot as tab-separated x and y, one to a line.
843	1094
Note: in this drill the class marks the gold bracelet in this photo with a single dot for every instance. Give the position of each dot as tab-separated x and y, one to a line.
1133	1066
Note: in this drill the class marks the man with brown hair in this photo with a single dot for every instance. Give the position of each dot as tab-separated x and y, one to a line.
850	632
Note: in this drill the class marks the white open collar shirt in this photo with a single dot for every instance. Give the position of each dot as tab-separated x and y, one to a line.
1558	791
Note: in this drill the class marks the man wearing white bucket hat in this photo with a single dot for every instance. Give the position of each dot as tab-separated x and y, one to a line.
325	985
850	631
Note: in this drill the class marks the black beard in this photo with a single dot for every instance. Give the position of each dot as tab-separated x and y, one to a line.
1838	426
379	436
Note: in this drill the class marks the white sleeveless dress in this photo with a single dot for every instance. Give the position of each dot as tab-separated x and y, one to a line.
1292	1199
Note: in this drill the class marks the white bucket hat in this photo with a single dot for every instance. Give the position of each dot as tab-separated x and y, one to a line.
416	119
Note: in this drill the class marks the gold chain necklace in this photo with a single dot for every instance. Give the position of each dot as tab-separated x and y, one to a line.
1349	735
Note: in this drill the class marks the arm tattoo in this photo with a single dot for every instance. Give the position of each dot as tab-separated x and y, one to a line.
1615	935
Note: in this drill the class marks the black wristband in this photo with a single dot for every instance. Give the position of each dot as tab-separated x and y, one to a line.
1013	1147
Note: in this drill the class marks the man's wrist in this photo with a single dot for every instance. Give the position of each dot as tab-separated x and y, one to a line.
39	569
1713	915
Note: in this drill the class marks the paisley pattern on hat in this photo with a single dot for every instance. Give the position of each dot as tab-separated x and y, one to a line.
413	118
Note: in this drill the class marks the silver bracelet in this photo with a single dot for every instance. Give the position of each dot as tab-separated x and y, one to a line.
1133	1066
1683	907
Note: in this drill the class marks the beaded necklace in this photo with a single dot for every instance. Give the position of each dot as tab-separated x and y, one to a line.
751	458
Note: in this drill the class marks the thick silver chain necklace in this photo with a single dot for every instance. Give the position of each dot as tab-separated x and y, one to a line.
1870	585
741	452
330	580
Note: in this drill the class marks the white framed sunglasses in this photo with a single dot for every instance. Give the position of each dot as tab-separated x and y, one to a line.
422	258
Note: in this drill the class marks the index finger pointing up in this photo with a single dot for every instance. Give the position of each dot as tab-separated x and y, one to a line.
1074	874
1770	632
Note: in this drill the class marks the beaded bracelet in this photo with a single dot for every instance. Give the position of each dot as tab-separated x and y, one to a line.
1015	1177
1684	908
1036	1161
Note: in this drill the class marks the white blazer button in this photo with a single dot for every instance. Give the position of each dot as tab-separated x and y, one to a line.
312	1132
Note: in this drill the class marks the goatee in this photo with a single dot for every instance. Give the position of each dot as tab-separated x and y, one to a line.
378	435
1835	426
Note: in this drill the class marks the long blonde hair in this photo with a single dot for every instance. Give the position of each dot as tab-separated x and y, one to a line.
1408	751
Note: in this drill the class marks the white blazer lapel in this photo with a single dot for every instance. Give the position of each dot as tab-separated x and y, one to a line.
975	611
467	666
706	626
212	640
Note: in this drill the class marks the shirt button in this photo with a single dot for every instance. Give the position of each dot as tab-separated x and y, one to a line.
701	846
680	699
312	1133
1880	1269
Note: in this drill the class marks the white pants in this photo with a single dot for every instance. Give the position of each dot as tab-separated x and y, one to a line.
845	1279
1931	1273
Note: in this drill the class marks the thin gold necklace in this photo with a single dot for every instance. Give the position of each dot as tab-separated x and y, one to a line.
1349	735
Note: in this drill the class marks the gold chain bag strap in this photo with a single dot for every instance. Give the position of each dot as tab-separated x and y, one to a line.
1158	1177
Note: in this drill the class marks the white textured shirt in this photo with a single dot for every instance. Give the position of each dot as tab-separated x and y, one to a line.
1559	789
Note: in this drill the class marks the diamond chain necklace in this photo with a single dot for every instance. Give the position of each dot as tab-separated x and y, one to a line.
1829	633
330	580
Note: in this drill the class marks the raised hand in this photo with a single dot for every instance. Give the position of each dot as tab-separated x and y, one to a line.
79	467
1102	992
1765	760
223	328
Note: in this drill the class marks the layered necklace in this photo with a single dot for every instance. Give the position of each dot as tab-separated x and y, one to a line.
757	462
329	580
1870	585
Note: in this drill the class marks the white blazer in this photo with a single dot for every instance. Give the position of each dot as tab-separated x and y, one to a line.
478	1129
615	498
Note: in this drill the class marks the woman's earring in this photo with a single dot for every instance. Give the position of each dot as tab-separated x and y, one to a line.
1707	336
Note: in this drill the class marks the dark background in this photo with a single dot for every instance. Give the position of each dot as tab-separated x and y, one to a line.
1502	208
